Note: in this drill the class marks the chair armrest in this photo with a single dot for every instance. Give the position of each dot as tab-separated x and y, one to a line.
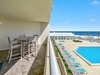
14	42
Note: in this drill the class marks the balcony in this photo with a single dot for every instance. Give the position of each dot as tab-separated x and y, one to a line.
27	17
24	17
45	63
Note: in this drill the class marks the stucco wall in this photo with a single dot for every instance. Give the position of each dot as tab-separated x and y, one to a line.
44	32
14	28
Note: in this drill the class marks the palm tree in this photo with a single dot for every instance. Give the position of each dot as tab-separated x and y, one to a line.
98	35
88	34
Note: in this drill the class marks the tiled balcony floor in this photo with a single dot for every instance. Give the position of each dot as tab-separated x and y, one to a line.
38	65
6	66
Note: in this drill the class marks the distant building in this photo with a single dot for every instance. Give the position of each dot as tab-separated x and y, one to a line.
62	36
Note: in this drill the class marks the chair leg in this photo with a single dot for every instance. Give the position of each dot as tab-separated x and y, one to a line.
35	50
10	56
29	52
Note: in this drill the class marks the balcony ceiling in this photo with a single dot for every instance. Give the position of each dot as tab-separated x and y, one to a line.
30	10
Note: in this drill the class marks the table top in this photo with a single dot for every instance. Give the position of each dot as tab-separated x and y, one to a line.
24	38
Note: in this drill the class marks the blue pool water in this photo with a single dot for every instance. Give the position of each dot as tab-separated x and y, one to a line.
91	54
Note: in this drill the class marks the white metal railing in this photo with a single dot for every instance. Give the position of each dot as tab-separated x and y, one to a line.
53	61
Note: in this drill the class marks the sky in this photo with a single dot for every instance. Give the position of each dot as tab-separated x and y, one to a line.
75	15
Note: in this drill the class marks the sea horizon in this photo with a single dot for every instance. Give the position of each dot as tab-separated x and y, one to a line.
82	33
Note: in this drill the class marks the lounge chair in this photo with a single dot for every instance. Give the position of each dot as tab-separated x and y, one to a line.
72	59
81	71
65	51
76	64
69	55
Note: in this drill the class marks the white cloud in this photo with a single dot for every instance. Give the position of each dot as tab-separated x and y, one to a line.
92	20
95	2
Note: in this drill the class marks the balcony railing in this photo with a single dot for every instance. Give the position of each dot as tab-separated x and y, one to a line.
51	65
53	61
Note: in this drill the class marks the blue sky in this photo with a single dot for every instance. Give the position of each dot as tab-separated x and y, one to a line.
75	15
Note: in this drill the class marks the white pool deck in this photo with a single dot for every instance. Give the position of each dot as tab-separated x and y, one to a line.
72	46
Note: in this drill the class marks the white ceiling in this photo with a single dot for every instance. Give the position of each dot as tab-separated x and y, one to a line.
31	10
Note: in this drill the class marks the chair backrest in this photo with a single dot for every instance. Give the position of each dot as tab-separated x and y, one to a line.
32	40
9	41
22	35
35	36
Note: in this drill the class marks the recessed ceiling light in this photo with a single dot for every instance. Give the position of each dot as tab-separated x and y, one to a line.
0	22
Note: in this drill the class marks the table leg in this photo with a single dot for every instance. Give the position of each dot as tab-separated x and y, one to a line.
29	52
21	49
36	47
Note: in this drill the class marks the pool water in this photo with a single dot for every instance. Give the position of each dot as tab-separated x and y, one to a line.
91	54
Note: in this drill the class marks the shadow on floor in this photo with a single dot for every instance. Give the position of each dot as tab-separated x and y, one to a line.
38	65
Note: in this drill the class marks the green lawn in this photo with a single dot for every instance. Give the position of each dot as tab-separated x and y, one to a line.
77	41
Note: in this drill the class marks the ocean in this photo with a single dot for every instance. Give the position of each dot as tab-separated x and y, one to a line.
82	33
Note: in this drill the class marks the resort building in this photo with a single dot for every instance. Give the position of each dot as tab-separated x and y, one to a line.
62	36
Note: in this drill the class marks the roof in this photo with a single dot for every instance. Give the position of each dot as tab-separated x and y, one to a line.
62	34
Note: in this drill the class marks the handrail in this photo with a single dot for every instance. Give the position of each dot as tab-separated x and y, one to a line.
47	60
53	61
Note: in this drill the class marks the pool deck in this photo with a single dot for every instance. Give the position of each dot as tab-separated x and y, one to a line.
72	46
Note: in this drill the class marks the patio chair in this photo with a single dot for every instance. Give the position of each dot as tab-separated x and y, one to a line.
77	64
81	71
31	48
35	35
36	38
13	44
22	35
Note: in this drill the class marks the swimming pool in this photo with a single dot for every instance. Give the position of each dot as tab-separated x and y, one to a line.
90	54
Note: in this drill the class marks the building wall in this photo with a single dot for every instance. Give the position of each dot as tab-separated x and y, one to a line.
45	27
14	28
